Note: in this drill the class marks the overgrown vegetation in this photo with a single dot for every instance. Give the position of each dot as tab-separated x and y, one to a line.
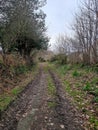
59	58
22	33
22	27
14	76
81	83
10	94
6	98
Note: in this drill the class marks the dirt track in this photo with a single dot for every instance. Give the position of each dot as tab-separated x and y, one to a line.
30	111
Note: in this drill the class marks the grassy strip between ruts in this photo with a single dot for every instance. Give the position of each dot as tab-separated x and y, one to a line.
82	86
51	92
9	96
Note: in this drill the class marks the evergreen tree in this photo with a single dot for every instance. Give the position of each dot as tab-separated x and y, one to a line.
22	26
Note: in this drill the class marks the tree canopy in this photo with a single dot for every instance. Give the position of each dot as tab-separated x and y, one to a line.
22	26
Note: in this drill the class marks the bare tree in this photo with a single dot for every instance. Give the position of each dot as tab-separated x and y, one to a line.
86	30
62	45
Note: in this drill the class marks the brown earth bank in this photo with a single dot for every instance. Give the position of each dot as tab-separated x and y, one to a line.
35	109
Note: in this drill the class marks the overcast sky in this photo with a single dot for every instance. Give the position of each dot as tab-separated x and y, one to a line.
60	16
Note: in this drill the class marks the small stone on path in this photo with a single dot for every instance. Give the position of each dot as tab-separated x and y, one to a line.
62	126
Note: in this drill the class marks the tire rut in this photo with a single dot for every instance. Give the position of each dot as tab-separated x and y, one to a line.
30	111
32	94
67	114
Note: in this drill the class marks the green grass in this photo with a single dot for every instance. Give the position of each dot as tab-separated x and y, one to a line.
76	94
79	88
95	92
63	69
4	101
21	69
90	68
87	87
7	98
94	80
92	89
51	104
16	91
94	121
96	99
51	87
75	73
51	92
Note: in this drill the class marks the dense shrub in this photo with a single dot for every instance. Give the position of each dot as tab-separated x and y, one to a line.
42	59
53	59
20	69
60	58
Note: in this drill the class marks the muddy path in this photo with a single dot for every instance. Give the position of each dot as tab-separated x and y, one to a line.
67	113
30	111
